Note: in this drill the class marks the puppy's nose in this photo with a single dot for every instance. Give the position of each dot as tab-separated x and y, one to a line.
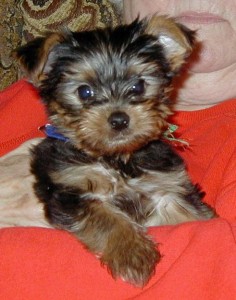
119	120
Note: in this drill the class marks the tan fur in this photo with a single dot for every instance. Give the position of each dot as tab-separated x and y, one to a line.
120	243
37	75
166	28
133	138
52	40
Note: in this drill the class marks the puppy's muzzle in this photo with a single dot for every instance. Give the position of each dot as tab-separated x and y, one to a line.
119	120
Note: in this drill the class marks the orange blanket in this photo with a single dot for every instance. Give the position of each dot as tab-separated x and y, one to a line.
199	258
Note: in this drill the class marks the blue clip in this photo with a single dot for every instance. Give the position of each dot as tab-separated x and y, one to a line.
52	132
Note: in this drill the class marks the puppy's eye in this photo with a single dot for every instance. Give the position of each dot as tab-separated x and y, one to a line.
138	88
85	92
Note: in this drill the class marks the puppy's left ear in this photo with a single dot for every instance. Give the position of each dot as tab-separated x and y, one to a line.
34	57
176	39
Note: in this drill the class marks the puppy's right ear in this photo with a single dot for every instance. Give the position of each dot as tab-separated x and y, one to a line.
34	56
176	39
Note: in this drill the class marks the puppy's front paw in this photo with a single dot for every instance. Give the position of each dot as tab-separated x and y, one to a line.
134	260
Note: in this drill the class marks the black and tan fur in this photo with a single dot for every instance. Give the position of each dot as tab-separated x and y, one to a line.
107	90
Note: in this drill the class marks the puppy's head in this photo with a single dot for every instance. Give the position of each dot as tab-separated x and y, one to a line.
107	89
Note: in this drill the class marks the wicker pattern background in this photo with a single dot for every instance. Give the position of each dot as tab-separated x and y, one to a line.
22	20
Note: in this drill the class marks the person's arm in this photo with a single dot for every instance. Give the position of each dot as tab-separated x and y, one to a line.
198	262
18	203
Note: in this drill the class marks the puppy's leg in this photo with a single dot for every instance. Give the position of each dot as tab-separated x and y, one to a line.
120	243
80	195
84	207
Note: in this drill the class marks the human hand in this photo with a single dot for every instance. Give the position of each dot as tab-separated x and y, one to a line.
18	203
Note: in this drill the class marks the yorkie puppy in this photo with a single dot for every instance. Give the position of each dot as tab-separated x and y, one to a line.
107	173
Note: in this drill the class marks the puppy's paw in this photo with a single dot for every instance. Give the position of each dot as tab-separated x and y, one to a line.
134	260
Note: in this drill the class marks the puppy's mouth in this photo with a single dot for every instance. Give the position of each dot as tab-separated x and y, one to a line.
121	136
125	141
120	143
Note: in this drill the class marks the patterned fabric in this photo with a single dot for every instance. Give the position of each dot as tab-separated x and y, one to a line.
22	20
49	15
10	37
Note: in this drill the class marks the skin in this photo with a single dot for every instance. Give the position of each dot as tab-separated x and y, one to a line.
212	72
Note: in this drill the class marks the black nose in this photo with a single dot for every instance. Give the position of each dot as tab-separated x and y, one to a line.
119	120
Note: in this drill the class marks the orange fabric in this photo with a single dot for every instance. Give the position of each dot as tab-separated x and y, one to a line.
199	258
211	156
21	114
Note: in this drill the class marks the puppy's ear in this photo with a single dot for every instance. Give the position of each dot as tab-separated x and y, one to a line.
34	57
176	39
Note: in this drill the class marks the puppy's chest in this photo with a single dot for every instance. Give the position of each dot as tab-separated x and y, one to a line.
107	178
137	176
148	182
136	191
